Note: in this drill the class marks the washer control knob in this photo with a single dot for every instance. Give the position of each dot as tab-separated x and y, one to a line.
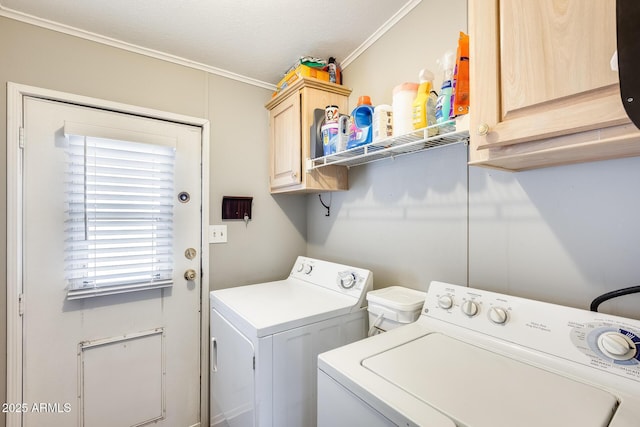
308	268
299	267
445	301
470	308
347	281
617	346
498	315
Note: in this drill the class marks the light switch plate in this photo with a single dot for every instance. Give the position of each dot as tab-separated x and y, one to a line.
217	234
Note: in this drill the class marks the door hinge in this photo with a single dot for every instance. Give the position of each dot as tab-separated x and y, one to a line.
20	304
21	137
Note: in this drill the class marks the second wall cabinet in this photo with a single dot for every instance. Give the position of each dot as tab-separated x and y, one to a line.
290	120
543	90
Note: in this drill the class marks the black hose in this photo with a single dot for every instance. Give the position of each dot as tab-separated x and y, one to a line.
613	294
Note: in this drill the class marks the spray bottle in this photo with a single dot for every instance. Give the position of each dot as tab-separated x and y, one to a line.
443	105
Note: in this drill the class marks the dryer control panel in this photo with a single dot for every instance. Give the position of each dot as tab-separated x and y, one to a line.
352	281
595	340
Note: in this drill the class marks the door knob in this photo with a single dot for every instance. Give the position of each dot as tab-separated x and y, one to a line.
190	274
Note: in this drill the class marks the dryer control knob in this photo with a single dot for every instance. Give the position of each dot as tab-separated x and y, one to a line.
308	268
617	346
299	267
445	301
470	308
347	281
498	315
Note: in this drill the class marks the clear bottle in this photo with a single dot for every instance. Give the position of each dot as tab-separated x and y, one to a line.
431	113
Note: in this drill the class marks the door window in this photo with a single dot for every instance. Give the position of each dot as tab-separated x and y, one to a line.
119	226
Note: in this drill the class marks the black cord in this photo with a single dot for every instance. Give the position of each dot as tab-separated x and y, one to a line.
613	294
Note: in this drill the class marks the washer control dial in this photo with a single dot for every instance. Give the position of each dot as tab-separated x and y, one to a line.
308	268
348	280
299	267
617	346
445	301
470	308
498	315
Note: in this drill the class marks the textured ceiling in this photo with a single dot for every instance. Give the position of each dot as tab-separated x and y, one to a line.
255	39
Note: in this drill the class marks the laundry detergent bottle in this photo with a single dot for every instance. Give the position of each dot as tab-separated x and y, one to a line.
362	118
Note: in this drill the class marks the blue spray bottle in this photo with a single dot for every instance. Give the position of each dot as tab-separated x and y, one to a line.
443	105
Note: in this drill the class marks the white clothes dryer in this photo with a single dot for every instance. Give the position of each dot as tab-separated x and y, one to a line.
265	340
482	359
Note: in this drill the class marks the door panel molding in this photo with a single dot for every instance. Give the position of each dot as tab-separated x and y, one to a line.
16	94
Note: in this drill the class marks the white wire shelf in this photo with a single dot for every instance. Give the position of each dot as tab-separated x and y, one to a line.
416	141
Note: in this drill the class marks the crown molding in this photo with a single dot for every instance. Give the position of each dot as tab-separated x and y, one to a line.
87	35
408	7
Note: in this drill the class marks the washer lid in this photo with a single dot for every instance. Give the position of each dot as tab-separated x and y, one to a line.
479	388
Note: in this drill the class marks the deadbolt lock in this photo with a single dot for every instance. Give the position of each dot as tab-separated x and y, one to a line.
190	253
190	274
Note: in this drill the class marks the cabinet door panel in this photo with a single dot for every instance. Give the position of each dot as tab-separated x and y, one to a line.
561	49
285	155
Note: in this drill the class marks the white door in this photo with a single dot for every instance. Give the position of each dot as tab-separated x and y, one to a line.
118	354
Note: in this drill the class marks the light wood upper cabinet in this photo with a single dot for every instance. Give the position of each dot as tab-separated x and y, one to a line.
285	128
543	92
290	120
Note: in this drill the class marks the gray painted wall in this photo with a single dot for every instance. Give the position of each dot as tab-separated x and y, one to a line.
263	250
405	219
564	234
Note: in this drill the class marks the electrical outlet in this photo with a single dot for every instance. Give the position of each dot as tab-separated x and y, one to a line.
217	234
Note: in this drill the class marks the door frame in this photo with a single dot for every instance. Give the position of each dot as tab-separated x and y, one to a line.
15	98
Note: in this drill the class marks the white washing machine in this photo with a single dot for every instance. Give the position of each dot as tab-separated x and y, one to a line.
481	359
265	340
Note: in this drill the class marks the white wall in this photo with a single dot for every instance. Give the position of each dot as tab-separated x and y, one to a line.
405	219
263	250
564	234
266	247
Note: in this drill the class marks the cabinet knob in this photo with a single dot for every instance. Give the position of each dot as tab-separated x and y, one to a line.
483	129
294	174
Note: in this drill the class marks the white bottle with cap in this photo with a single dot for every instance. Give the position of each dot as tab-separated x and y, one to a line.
403	96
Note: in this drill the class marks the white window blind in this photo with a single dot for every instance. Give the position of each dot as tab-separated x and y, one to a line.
119	228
